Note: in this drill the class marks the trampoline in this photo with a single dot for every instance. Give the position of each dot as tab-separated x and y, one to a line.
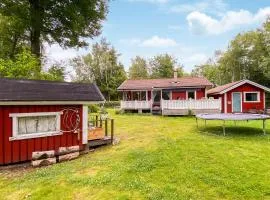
233	117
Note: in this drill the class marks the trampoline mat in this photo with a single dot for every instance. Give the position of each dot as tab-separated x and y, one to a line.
233	116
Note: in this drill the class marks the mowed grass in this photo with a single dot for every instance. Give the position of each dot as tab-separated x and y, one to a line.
157	158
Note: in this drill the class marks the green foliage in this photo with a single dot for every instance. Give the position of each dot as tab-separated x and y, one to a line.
247	57
119	111
55	73
112	104
12	36
163	65
94	108
102	67
64	22
24	65
138	68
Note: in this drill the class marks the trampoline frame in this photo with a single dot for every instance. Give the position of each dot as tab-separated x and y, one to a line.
264	118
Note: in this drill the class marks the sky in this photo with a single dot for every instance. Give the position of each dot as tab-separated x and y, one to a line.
189	30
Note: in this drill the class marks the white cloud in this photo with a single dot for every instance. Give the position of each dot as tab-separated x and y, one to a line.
197	58
209	6
157	41
151	1
200	23
174	27
132	41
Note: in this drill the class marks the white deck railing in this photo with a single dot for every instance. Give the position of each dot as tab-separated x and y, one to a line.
192	104
135	105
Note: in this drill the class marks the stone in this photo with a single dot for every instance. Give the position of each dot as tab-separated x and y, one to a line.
69	156
39	155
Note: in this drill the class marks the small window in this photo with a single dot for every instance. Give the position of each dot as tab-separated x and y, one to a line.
191	95
252	97
166	95
143	96
33	125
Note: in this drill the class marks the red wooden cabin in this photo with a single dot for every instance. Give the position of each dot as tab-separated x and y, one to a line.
240	96
43	115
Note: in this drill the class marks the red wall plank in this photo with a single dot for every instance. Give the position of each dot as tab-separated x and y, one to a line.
21	150
1	136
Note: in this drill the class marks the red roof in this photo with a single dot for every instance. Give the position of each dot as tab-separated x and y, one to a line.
220	88
147	84
224	88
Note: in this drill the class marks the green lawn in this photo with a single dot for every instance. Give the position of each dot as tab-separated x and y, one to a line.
157	158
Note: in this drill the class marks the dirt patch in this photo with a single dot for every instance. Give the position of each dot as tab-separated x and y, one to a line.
15	170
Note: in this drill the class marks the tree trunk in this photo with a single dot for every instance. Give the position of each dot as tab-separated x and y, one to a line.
36	14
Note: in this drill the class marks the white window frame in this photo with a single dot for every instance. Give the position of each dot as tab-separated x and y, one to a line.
258	97
15	127
195	95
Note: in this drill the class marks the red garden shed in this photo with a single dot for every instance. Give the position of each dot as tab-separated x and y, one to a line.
42	116
240	96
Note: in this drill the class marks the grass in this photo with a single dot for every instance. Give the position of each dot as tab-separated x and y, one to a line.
157	158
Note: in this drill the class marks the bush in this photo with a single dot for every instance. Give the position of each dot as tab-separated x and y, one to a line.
94	108
119	111
112	104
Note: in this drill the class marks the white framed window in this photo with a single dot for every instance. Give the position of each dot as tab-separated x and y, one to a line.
251	97
35	125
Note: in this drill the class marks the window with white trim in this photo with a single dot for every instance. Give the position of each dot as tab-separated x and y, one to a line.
33	125
252	96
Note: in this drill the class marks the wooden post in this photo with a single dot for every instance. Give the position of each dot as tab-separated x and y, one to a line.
96	121
112	129
224	131
106	127
264	132
100	120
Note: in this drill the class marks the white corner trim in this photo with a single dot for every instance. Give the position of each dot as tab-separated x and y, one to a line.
85	125
253	92
244	82
15	134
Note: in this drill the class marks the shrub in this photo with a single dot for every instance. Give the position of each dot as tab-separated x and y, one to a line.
94	108
111	104
119	111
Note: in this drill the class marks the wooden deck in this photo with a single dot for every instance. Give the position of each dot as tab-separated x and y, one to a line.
98	134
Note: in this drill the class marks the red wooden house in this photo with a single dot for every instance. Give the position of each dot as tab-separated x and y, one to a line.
171	96
240	96
43	115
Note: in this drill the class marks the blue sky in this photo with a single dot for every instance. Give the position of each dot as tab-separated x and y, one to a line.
189	30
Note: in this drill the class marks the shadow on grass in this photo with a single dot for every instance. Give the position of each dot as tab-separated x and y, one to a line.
237	131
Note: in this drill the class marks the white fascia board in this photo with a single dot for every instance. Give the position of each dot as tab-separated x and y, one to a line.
244	82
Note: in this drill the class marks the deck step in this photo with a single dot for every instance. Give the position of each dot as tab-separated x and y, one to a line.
99	142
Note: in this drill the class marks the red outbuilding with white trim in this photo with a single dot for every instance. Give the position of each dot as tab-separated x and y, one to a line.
43	116
240	96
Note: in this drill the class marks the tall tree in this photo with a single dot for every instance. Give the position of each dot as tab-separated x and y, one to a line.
163	66
12	37
66	22
102	67
138	68
247	57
